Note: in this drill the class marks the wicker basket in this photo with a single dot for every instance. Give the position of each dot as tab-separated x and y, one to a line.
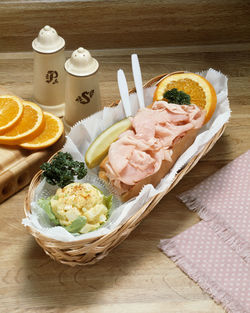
90	251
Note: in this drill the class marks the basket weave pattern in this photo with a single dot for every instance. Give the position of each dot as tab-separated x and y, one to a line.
90	251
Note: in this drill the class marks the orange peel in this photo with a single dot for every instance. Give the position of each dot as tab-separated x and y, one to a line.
200	90
52	131
11	109
27	127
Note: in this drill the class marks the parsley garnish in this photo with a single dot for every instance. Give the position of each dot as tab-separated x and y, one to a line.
177	96
62	169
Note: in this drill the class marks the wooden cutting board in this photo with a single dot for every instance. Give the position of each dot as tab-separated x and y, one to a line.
18	166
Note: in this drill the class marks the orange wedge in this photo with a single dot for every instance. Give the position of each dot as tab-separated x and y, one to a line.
27	127
200	90
52	131
11	109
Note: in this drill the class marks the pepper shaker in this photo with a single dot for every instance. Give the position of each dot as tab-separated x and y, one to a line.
49	74
82	94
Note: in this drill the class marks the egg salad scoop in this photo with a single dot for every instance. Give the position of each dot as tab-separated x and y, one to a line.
78	207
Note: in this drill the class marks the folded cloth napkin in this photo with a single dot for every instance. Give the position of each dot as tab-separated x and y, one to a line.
216	252
205	257
224	199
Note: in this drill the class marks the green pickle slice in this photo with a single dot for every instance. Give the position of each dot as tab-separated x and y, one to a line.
100	146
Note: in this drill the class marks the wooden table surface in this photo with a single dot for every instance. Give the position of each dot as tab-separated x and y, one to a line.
136	276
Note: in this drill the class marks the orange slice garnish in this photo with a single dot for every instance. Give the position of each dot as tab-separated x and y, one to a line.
27	127
52	131
11	109
200	90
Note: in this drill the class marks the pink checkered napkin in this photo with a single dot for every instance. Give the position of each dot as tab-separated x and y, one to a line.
224	200
219	271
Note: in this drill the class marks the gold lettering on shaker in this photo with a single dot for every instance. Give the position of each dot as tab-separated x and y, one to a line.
85	97
51	77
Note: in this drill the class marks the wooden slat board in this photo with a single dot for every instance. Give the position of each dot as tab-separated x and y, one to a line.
18	166
103	24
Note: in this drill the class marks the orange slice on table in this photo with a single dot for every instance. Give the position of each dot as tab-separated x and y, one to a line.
27	127
52	131
200	90
11	109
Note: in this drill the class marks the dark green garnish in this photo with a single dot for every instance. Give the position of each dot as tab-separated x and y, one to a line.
62	170
177	96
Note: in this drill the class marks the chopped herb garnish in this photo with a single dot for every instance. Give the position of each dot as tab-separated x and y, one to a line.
177	96
62	170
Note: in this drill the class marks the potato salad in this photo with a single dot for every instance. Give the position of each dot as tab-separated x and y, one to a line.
78	207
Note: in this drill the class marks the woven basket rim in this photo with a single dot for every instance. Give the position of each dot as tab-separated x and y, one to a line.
36	179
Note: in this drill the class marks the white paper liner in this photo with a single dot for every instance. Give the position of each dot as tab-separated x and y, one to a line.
85	131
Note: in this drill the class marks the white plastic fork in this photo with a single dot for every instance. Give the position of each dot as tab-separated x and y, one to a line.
123	88
138	79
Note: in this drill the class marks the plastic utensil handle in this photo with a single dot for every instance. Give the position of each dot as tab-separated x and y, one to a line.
123	88
138	79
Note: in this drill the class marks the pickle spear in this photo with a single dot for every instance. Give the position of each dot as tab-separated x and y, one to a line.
100	146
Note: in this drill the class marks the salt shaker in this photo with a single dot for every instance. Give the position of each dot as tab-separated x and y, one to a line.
82	94
49	74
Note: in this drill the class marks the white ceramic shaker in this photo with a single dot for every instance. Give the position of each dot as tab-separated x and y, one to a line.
82	94
49	74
